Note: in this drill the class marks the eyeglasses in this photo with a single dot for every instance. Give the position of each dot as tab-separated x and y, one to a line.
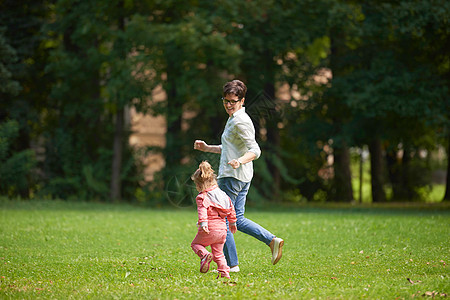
232	102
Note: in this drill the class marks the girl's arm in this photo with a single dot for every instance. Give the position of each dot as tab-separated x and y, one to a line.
202	214
232	220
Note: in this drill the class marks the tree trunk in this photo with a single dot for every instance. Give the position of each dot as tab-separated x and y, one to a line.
361	175
339	114
393	170
408	193
273	140
376	170
398	171
342	174
173	151
117	156
116	184
447	186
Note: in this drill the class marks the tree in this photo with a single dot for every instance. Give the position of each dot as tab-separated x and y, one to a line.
271	34
330	106
398	87
379	94
94	58
24	86
184	45
15	167
447	186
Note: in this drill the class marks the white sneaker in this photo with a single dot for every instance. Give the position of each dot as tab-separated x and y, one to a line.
234	269
276	245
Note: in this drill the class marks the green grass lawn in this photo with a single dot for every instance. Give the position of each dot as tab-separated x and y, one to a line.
77	250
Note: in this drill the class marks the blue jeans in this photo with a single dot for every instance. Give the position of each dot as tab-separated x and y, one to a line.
237	191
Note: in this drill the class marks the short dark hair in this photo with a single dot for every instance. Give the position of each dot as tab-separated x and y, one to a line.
235	87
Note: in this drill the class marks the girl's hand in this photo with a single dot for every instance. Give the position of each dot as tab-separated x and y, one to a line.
200	145
233	229
205	229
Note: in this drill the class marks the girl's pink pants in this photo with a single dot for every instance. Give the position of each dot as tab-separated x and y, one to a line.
216	239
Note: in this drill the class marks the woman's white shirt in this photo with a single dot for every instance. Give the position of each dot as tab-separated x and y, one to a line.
238	138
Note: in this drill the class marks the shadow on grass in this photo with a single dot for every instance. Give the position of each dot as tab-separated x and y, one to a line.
442	208
55	205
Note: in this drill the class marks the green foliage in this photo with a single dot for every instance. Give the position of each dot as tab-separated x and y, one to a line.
78	250
15	167
7	57
20	25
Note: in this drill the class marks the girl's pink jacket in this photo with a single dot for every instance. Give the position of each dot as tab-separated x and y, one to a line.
213	205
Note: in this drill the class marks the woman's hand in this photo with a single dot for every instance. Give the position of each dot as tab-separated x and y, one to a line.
234	163
200	145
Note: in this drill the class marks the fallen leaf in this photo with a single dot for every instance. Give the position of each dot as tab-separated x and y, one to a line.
412	282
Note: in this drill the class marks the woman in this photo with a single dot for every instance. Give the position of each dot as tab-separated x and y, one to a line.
237	151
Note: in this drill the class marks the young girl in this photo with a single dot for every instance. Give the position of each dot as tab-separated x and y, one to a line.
213	207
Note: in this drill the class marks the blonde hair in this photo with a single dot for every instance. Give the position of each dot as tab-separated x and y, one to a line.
204	176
